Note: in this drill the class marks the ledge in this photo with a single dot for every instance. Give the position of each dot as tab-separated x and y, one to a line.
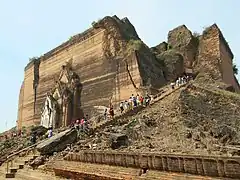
74	40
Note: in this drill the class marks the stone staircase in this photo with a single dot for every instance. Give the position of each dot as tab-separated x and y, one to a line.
10	168
164	92
19	169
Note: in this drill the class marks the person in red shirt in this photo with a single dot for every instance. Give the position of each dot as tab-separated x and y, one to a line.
111	111
141	100
82	121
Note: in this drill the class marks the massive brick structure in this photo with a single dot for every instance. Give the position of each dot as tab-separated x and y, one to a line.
111	63
206	53
108	61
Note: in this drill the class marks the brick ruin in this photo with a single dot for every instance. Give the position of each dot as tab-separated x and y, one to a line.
110	62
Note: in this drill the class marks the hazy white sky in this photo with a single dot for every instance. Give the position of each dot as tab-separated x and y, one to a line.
31	28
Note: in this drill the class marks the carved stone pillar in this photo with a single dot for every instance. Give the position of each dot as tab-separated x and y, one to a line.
76	103
67	108
75	83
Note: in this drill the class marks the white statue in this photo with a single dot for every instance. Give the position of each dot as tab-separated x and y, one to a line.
48	116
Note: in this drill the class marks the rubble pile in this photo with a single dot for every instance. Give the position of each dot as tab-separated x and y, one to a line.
190	121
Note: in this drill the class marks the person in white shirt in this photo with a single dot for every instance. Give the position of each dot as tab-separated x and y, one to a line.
172	85
121	107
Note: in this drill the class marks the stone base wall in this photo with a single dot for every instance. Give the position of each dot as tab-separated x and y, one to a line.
214	166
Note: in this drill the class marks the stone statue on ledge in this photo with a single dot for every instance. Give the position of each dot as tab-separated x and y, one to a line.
49	113
62	105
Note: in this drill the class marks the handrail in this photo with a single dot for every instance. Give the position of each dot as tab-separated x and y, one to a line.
22	150
9	158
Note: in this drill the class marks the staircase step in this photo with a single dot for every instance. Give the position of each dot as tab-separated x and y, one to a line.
21	166
35	156
13	169
29	174
10	175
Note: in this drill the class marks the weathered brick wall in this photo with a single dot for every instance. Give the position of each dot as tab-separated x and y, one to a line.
20	106
214	166
226	65
215	56
102	77
87	60
26	115
208	59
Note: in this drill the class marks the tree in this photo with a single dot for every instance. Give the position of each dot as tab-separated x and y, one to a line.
235	69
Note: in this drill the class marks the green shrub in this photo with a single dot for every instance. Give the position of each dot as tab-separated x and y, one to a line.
235	69
135	44
169	47
196	34
33	58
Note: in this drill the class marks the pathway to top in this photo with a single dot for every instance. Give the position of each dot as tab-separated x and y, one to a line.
164	92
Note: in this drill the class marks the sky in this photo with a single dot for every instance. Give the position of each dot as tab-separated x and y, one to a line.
31	28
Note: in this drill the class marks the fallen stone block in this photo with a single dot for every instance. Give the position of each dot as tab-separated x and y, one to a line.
13	170
10	175
58	142
21	166
37	162
117	140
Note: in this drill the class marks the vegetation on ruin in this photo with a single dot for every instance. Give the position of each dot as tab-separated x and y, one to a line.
135	44
196	37
95	23
196	34
169	47
33	58
206	29
235	69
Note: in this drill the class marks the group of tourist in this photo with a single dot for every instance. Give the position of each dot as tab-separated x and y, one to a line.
134	101
127	105
82	125
180	81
